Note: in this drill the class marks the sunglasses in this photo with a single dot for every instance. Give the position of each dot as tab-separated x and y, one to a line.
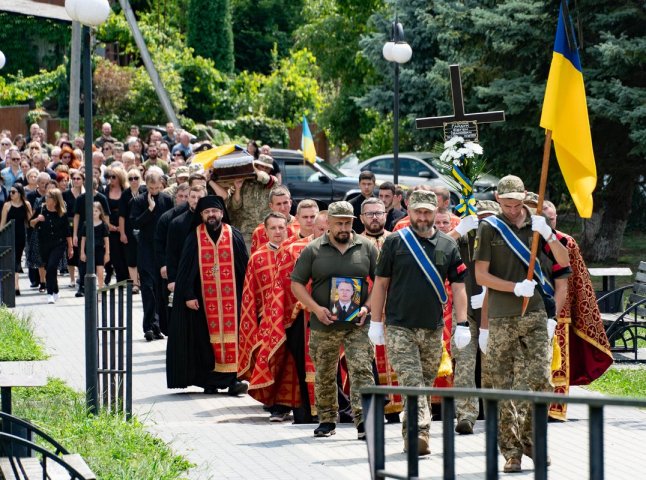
77	178
16	159
13	191
177	154
110	177
34	148
5	144
132	179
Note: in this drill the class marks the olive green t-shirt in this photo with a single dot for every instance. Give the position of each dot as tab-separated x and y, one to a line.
503	263
412	301
320	261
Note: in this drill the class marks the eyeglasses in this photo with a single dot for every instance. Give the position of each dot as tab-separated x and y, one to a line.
133	179
5	144
34	148
110	177
77	178
373	214
15	159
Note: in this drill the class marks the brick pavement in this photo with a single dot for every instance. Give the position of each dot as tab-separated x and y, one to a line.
231	438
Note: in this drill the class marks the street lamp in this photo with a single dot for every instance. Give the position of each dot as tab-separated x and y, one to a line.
3	60
398	52
90	13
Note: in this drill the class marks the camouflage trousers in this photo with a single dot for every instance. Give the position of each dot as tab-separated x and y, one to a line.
518	358
415	355
464	374
359	353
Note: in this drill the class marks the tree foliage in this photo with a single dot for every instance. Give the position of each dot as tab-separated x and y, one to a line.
210	33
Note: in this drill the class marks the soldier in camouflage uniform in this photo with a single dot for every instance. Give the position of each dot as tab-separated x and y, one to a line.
465	356
247	201
339	253
517	350
414	311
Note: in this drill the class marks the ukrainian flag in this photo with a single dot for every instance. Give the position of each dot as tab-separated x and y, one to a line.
565	113
307	143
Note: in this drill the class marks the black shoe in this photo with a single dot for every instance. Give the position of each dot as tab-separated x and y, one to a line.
238	388
79	294
210	390
361	431
392	418
464	427
33	285
325	429
17	293
149	335
158	335
42	288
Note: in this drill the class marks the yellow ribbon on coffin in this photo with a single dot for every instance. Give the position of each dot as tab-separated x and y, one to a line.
207	157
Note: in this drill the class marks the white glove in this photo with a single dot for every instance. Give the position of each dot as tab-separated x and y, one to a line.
478	300
551	328
539	224
468	223
483	340
376	333
461	336
262	177
525	288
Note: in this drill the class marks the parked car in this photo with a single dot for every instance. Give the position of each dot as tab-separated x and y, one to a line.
417	168
320	181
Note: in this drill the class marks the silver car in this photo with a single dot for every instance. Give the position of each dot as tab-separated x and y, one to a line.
417	168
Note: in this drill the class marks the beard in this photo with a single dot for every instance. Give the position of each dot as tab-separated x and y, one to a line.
421	226
213	223
342	237
375	227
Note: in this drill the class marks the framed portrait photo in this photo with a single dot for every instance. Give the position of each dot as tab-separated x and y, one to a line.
345	298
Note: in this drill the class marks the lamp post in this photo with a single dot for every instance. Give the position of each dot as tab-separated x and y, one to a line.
89	13
3	60
396	51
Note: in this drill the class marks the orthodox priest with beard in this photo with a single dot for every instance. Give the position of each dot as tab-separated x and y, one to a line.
210	277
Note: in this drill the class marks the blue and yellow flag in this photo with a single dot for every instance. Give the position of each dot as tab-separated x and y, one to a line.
307	143
565	113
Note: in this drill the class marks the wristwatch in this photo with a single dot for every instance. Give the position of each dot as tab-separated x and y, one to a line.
552	238
463	324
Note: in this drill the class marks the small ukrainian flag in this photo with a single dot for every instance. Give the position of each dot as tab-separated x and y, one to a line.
307	143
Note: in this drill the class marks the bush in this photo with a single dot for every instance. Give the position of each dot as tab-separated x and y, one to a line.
40	88
17	340
264	129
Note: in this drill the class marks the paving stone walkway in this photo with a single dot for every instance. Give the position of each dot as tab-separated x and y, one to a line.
231	438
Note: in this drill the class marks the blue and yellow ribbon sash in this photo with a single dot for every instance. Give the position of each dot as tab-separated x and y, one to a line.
425	264
467	205
521	251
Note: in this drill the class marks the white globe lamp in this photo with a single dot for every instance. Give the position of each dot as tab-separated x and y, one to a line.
3	60
402	52
388	51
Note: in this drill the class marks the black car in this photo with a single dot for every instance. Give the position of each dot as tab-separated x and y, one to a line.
319	181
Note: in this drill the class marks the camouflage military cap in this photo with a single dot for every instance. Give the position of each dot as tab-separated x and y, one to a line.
510	186
487	206
422	199
341	209
264	161
195	168
182	171
531	199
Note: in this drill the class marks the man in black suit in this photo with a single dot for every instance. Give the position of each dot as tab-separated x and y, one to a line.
146	210
367	182
344	305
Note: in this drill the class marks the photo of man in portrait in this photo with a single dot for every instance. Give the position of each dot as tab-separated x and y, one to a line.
345	298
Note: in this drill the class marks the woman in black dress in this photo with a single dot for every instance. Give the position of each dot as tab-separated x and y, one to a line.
126	233
19	210
101	243
69	196
116	183
54	238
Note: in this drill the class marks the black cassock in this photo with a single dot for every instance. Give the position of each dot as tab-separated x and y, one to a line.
189	354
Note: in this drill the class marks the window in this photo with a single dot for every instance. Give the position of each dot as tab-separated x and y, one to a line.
300	172
412	168
382	166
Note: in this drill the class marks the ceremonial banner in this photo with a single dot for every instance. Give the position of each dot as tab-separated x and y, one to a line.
565	113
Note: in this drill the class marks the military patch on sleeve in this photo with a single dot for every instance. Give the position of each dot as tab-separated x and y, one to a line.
475	244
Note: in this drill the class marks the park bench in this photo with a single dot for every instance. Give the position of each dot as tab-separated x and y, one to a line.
22	459
627	326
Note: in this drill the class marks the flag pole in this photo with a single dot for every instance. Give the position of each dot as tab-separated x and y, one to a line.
547	147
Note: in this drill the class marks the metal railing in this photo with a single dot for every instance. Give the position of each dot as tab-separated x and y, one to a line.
8	264
373	399
114	352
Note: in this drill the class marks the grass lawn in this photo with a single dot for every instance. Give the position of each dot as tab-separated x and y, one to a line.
112	447
621	382
17	341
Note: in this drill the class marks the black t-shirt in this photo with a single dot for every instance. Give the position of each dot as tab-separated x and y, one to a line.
100	233
79	205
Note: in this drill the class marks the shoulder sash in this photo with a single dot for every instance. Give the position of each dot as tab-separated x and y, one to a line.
522	252
425	264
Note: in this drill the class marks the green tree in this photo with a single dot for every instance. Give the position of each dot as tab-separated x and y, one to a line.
209	32
261	25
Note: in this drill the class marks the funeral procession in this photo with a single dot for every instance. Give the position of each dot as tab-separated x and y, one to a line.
322	239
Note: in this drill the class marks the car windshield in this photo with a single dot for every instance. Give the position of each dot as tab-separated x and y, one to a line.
330	170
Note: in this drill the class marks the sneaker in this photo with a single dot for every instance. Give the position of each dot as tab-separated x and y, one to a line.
149	336
512	466
464	427
528	452
361	431
325	429
238	388
50	299
56	297
278	416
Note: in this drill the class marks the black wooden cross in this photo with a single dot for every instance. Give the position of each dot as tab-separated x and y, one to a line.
460	121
